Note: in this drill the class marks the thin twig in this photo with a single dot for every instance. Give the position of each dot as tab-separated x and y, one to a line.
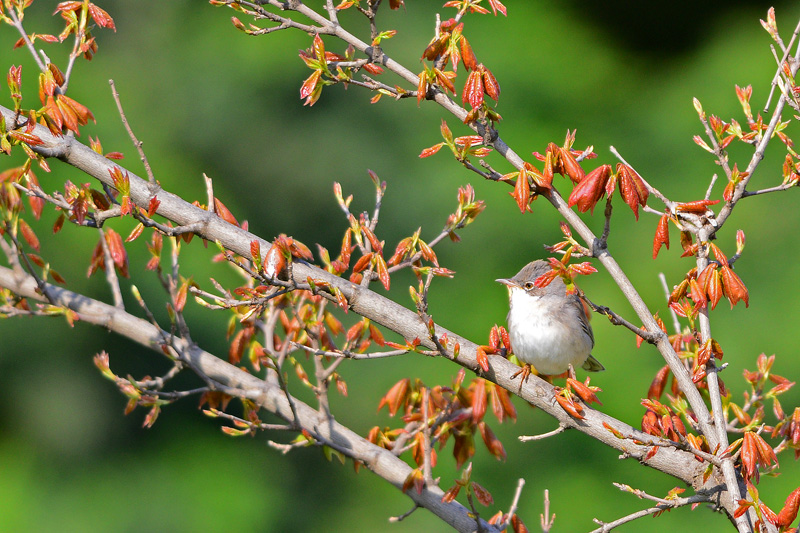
136	142
403	516
719	151
17	23
607	226
666	201
710	187
209	193
111	272
515	500
173	395
426	441
40	283
617	320
560	429
777	188
778	72
159	382
676	325
546	519
347	354
663	505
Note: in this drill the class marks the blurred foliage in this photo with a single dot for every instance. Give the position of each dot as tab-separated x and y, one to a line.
206	98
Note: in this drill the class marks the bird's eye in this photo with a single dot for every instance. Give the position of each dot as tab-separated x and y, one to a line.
528	285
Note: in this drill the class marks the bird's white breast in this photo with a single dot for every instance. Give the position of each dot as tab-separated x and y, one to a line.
542	340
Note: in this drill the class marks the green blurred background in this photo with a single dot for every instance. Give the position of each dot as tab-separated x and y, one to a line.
206	98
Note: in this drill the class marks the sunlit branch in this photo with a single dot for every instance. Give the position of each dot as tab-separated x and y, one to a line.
663	505
527	438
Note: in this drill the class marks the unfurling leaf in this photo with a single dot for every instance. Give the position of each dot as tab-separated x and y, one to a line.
117	250
698	207
467	55
632	187
590	190
569	405
662	235
583	390
478	400
224	213
483	360
473	89
396	396
482	495
274	262
522	191
789	512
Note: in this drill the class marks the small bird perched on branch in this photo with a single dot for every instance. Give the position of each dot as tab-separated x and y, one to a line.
548	328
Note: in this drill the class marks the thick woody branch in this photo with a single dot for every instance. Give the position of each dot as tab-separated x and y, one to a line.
268	396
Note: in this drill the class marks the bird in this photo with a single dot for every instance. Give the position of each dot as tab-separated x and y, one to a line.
548	328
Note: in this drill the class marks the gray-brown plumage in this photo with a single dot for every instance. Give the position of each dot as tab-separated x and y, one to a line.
548	328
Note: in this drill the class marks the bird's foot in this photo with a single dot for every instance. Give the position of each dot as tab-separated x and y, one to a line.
525	372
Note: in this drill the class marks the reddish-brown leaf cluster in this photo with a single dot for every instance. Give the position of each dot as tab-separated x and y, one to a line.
480	82
733	181
116	249
61	111
744	95
317	59
361	236
474	7
449	46
70	12
755	453
789	430
567	397
409	247
80	17
564	160
154	247
791	170
584	391
473	489
461	147
467	211
603	182
499	343
305	320
715	281
569	405
10	197
528	176
660	420
281	252
456	412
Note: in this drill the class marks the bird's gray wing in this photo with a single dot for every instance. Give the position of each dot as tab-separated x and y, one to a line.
592	365
584	320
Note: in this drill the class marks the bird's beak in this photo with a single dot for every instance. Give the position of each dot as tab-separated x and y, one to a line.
507	282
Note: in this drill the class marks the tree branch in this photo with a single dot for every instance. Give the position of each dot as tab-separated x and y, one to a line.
267	396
